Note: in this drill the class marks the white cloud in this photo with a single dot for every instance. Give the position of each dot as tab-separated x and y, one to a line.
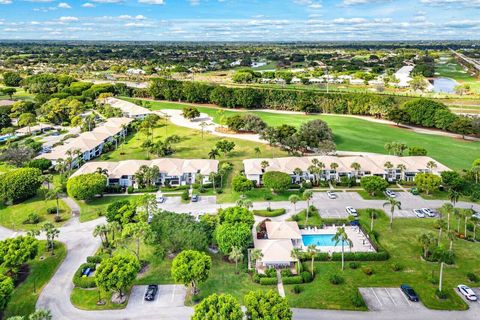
5	1
107	1
159	2
68	19
88	5
355	2
64	5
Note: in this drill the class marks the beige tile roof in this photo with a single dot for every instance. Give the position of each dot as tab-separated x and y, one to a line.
88	140
168	166
372	163
37	127
275	251
131	109
283	230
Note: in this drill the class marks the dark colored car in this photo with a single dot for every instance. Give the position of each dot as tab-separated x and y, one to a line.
151	292
409	292
195	198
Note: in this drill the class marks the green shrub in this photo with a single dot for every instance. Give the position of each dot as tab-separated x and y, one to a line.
357	300
81	281
185	195
441	294
19	184
286	273
94	259
271	272
86	186
292	280
268	281
354	265
269	213
297	289
336	279
306	276
397	267
472	277
130	189
196	298
52	210
58	219
361	256
32	218
368	271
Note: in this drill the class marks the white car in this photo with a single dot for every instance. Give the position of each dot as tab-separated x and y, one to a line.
429	212
390	193
467	292
351	211
476	215
331	195
419	213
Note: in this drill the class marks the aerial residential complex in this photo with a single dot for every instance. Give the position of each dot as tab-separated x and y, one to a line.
89	145
392	168
129	110
173	172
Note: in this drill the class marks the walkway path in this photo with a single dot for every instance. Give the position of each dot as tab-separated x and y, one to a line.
281	290
74	207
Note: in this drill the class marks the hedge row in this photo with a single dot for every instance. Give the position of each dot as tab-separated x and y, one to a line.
84	282
142	190
292	280
268	281
269	213
361	256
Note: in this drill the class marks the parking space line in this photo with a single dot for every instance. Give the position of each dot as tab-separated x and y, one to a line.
406	299
373	291
144	293
390	296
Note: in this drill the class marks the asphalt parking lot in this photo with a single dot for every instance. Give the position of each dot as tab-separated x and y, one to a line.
170	295
472	304
383	299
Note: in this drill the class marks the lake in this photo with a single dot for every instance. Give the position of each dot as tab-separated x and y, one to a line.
445	85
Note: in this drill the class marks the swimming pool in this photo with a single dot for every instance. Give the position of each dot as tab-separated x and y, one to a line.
320	240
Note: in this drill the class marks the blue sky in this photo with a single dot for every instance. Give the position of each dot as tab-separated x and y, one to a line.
240	20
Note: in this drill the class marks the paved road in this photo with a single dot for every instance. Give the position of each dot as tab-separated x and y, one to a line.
80	244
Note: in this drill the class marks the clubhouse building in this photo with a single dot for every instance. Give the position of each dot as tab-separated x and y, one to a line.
391	168
173	172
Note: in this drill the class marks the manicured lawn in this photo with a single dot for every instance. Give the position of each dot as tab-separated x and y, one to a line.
354	134
367	196
12	217
402	244
24	297
256	194
86	299
96	207
314	219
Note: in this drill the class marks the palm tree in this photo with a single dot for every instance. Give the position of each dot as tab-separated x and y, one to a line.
321	167
476	172
235	255
257	151
264	164
476	223
212	177
114	227
459	215
451	236
101	231
311	252
295	254
47	178
334	166
426	240
244	203
213	153
442	225
54	194
341	236
294	199
431	165
307	196
402	169
255	255
356	166
393	203
298	173
314	171
203	125
103	172
388	167
448	208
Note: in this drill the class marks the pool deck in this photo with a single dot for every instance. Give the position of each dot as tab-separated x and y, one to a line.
359	240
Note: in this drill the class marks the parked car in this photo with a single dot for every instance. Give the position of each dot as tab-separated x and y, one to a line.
351	211
409	292
151	292
195	198
414	191
390	193
161	199
476	215
419	213
429	212
331	195
467	292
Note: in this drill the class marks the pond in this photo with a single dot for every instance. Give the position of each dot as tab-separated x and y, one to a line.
445	85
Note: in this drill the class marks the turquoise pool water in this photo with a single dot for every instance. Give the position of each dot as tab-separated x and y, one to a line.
320	240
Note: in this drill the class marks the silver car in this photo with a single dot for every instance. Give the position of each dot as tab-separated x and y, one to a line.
331	195
429	212
351	211
419	213
390	193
